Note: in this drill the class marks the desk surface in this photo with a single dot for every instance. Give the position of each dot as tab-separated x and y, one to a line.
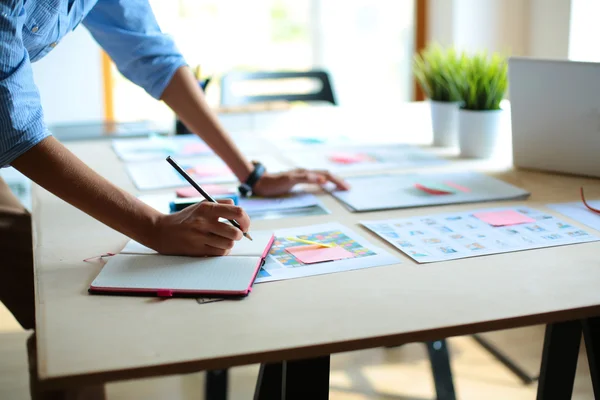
85	339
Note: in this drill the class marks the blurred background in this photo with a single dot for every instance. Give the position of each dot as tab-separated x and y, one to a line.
366	45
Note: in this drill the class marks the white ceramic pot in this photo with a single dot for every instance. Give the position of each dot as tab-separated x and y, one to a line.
478	132
444	122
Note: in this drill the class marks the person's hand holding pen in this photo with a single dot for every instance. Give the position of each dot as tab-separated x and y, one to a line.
197	231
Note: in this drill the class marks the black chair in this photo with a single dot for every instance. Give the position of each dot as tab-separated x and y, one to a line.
232	98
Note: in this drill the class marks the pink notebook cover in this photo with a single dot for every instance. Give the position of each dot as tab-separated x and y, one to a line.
165	292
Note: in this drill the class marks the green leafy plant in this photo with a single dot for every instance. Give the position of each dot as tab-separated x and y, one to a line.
485	79
439	72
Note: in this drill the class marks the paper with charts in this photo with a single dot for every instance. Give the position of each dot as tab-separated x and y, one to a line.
155	147
159	147
363	158
452	236
393	191
579	212
292	257
159	174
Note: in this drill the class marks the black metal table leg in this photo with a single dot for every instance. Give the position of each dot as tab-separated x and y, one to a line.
559	360
294	380
591	336
440	367
216	385
269	382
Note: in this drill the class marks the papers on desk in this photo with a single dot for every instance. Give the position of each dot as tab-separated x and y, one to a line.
579	212
350	251
442	237
158	174
385	192
296	204
363	158
159	147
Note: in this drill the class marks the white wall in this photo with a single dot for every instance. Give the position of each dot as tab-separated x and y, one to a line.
70	80
550	28
537	28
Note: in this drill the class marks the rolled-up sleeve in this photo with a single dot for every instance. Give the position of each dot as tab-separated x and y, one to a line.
21	117
127	30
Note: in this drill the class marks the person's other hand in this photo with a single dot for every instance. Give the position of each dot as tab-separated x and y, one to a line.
277	184
197	231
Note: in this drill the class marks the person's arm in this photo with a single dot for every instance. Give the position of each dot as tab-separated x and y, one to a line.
193	231
151	60
26	144
185	97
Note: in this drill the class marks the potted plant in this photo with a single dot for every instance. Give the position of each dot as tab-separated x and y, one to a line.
438	73
485	85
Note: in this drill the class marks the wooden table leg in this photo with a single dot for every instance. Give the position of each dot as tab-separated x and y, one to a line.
591	336
440	367
79	393
294	380
559	360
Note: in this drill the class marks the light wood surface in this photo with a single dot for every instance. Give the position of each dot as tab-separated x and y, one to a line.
87	339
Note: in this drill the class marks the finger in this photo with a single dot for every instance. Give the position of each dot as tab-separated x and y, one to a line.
217	241
213	251
339	182
224	229
225	201
229	212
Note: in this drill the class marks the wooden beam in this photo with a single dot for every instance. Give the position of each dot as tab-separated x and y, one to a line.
421	38
108	83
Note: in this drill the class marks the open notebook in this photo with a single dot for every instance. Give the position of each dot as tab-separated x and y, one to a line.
140	270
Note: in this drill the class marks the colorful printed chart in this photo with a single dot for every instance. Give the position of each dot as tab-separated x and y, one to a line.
281	264
159	147
491	231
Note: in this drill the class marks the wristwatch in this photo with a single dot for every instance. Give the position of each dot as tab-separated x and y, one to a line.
246	188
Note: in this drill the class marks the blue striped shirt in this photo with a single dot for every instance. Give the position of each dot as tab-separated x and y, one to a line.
126	29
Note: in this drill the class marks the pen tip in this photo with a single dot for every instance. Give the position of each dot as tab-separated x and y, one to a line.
248	236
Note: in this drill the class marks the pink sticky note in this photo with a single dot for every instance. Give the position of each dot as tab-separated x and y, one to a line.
195	148
348	158
210	189
205	171
503	218
315	254
457	186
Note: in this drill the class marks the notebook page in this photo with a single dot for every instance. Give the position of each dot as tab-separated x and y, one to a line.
220	274
242	247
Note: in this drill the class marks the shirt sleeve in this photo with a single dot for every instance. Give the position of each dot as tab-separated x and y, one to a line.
21	117
129	33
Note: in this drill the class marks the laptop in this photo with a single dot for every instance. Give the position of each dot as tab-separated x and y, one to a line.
555	113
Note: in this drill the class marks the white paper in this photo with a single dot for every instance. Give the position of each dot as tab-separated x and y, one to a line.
301	200
282	265
579	212
384	192
442	237
159	174
243	247
374	158
254	207
177	273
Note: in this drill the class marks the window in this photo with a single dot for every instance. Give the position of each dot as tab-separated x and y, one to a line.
584	31
366	45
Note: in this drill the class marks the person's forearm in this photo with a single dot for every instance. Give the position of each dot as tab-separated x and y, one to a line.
59	171
184	96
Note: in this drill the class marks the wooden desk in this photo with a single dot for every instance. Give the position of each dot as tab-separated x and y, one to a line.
86	340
